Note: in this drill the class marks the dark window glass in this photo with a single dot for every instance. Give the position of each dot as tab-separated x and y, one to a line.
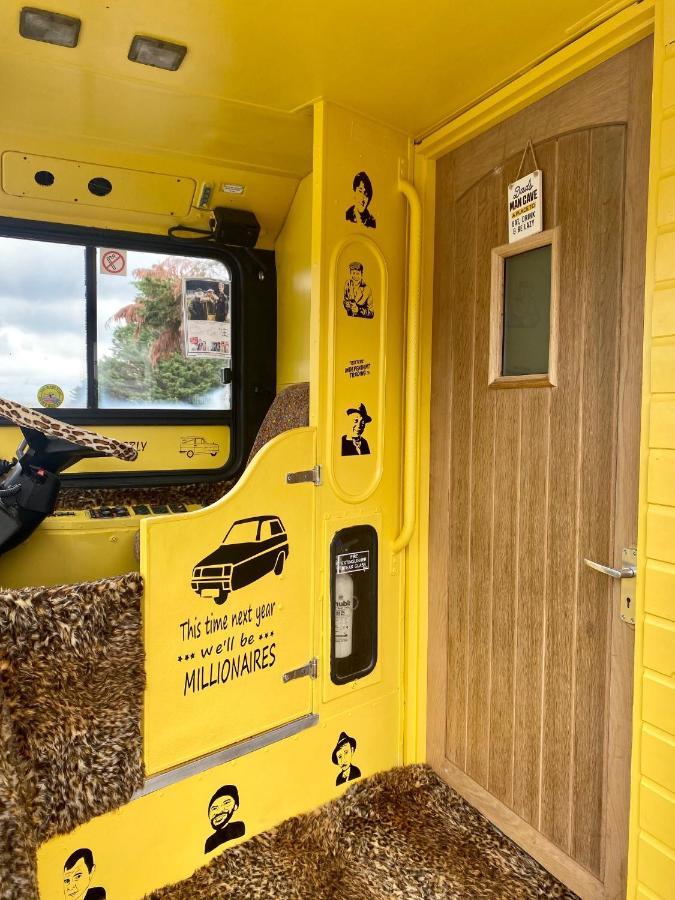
353	603
527	312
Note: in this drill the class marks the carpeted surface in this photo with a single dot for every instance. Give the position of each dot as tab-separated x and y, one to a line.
206	492
401	835
71	694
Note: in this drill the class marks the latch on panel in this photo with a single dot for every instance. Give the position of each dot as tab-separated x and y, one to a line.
309	669
311	476
626	574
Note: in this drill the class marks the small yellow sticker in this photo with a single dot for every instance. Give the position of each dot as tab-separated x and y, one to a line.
50	396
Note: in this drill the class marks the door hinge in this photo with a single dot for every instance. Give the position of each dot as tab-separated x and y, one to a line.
311	476
310	669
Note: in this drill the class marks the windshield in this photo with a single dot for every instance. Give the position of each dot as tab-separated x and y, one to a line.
242	533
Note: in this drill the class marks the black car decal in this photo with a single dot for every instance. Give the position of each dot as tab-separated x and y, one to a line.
251	549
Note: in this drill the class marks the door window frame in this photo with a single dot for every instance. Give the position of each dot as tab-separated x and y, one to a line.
499	255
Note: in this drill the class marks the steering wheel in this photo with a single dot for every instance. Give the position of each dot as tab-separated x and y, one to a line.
29	484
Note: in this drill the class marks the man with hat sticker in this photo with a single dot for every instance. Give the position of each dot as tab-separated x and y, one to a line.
342	756
354	444
357	298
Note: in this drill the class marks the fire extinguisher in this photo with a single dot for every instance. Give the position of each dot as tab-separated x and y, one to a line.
345	604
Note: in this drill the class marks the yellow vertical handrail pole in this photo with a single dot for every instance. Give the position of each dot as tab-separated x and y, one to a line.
412	366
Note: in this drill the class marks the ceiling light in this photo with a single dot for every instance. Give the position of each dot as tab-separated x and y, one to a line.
53	28
152	52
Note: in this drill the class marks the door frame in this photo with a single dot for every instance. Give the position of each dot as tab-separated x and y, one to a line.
609	38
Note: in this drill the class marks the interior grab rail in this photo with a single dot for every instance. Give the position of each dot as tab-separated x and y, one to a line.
412	366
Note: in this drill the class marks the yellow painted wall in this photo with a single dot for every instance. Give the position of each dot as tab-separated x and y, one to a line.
294	289
161	836
652	852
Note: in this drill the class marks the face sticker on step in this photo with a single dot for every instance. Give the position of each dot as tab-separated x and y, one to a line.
353	441
79	876
357	297
343	754
222	809
359	211
252	549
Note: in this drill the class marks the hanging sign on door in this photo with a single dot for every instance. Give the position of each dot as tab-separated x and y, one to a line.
525	206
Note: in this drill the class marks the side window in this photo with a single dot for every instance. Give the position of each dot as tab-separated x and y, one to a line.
164	334
43	335
265	531
151	334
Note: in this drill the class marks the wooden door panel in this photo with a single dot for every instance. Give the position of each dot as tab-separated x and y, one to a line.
524	487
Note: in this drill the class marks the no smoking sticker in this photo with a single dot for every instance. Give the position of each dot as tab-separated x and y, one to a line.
113	262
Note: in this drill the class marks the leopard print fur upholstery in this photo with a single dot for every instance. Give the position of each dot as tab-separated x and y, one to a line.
289	409
71	694
400	835
30	418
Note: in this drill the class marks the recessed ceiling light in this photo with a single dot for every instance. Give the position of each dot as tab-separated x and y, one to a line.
152	52
50	27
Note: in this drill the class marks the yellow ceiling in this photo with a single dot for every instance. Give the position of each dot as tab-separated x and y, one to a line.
241	101
408	64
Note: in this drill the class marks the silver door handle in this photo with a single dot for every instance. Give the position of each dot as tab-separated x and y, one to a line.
625	572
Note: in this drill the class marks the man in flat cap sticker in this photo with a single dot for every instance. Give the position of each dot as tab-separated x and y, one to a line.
353	444
357	298
342	757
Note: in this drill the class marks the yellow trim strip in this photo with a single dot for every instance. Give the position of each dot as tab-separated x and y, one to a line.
412	367
621	31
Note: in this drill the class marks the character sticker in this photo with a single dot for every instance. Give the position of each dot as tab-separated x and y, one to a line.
353	443
357	297
222	807
78	874
50	396
342	757
251	549
363	193
206	318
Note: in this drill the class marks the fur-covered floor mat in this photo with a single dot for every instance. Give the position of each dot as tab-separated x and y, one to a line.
71	695
401	835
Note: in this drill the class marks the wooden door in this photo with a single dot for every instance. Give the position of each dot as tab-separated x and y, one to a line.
530	666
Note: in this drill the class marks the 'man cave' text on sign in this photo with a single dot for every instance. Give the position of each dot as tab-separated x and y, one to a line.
525	206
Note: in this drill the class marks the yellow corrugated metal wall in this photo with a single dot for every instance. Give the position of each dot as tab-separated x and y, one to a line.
652	865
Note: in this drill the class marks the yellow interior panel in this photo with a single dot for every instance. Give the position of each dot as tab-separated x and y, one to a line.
215	662
166	195
292	101
294	284
161	448
69	549
160	838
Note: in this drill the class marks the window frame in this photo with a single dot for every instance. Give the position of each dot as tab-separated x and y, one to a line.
497	303
253	278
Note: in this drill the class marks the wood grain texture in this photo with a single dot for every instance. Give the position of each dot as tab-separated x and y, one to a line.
536	717
459	579
533	514
561	558
482	507
596	494
439	471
